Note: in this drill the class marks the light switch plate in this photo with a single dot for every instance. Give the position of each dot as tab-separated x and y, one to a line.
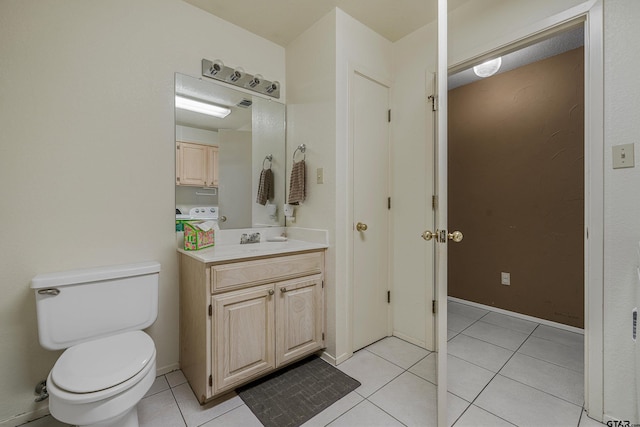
623	156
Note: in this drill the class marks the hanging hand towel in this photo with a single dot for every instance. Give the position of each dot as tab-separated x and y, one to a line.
297	192
265	187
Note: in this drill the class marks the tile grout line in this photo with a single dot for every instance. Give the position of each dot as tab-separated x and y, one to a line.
405	371
177	404
542	391
493	378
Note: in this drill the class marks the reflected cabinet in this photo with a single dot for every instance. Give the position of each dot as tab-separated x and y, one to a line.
196	164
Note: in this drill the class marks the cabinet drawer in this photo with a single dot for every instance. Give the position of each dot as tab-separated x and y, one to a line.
249	273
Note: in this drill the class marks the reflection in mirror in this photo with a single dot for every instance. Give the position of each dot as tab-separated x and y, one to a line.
223	136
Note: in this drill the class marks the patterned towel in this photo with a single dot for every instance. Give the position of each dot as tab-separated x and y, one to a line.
297	191
265	187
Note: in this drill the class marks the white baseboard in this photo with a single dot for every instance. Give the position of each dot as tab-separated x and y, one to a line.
26	417
408	339
519	315
166	369
328	358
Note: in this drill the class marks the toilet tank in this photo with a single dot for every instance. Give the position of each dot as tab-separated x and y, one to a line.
81	305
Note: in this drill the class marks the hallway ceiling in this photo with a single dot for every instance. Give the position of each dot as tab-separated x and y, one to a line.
555	45
281	21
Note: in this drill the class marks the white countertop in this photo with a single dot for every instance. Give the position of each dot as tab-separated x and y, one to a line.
231	252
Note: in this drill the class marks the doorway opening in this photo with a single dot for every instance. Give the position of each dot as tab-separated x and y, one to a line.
518	189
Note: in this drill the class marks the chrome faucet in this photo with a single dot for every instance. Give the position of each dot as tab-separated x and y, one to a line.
249	238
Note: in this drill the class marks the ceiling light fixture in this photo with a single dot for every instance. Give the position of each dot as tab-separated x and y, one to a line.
202	107
488	68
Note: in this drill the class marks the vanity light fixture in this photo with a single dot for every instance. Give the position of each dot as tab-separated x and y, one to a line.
237	77
202	107
488	68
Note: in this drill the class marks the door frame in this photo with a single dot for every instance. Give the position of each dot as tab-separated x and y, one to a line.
590	14
354	69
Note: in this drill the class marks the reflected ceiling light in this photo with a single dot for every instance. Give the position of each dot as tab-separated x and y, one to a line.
202	107
488	68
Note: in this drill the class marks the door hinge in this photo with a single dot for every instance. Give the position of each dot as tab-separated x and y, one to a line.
389	116
434	105
210	310
177	146
323	336
323	284
210	380
434	202
389	203
388	297
434	306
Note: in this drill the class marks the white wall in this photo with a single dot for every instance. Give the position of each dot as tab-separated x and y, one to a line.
86	112
622	210
414	60
477	27
311	60
318	64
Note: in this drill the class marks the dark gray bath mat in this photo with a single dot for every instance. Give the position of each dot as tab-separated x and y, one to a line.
293	395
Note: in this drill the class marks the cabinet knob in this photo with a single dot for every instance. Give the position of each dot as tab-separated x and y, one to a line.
283	290
271	291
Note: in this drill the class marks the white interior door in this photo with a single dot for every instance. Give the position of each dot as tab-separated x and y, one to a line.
441	212
370	125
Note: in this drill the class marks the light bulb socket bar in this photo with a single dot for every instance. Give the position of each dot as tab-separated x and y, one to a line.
237	77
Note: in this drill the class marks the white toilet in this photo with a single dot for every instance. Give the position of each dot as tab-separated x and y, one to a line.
109	363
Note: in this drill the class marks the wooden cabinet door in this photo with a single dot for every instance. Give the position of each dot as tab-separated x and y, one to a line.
192	164
212	166
243	340
299	318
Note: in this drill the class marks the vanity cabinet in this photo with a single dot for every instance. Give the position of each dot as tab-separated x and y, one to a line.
240	320
196	164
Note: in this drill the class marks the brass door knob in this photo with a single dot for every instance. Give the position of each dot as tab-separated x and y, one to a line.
361	227
428	235
456	236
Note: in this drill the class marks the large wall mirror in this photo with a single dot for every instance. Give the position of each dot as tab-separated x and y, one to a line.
225	137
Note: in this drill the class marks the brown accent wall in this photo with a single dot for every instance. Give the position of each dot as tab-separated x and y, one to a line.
516	189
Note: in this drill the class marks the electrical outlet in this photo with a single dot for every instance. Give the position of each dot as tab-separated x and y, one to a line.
505	278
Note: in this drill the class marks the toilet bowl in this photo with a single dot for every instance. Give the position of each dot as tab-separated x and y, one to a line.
101	382
109	363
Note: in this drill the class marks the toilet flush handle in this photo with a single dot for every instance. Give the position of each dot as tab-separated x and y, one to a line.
49	291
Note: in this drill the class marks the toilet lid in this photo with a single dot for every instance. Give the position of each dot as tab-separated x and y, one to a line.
103	363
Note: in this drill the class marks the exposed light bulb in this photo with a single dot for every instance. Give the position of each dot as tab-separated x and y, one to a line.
237	74
216	67
255	81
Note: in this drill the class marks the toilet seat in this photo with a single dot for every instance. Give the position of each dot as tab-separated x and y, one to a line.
103	365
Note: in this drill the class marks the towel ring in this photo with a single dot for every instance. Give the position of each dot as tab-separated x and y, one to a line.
302	148
269	158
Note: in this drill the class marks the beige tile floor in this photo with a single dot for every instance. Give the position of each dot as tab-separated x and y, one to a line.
503	371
